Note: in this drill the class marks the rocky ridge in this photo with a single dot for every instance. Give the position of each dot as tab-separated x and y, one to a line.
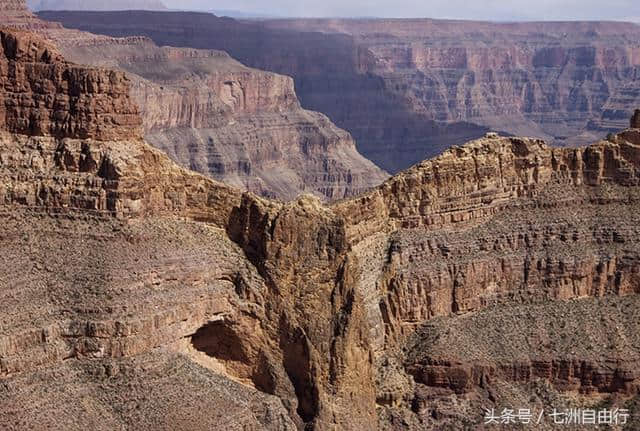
131	286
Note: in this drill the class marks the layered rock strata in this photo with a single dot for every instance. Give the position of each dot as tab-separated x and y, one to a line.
236	124
408	89
131	286
85	102
96	5
212	290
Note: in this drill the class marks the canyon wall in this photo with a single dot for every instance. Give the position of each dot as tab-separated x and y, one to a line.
408	89
135	293
239	125
219	287
213	115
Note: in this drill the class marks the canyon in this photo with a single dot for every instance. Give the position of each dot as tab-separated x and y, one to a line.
137	294
408	89
214	115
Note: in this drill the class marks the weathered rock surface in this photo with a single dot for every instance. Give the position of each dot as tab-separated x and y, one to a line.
500	224
408	89
68	102
14	13
236	124
137	294
216	283
239	125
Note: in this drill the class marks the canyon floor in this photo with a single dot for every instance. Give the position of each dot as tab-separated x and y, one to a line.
139	294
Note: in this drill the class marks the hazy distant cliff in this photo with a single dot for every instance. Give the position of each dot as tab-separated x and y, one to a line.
407	89
214	115
37	5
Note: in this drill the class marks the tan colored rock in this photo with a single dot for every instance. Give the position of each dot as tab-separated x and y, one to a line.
130	284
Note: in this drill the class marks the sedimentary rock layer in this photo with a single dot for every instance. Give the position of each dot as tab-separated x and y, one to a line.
96	5
407	89
242	312
69	102
238	125
130	286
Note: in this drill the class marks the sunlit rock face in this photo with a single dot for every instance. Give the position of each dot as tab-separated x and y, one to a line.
214	115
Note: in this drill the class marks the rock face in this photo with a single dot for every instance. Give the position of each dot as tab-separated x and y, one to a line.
87	103
635	120
408	89
138	294
14	13
242	314
238	125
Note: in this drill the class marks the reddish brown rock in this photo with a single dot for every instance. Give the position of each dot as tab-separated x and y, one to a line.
635	120
88	103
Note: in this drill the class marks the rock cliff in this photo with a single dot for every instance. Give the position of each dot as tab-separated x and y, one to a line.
87	103
137	294
244	318
236	124
14	13
239	125
408	89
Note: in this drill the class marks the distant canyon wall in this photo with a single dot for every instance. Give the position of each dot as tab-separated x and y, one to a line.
408	89
214	115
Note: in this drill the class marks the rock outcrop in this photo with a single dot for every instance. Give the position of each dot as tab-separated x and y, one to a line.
635	120
87	103
408	89
14	13
138	294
